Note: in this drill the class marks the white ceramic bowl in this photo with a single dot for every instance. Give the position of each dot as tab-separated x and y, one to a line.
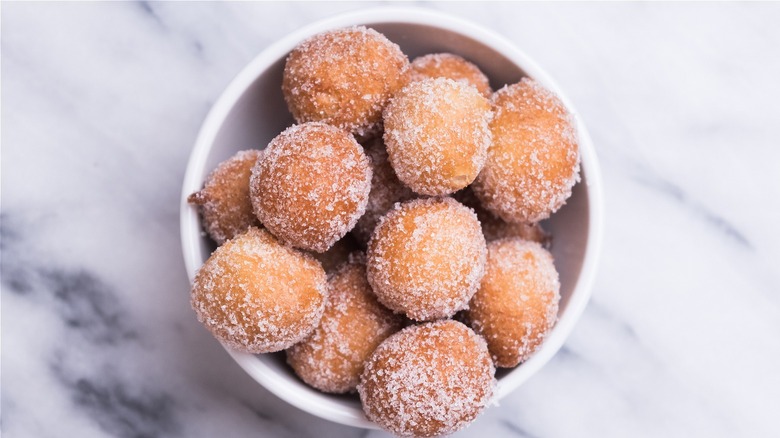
251	111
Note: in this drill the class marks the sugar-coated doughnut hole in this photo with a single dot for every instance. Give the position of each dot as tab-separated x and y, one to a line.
311	185
223	201
352	326
517	303
386	190
258	296
495	228
344	77
448	65
426	258
533	162
427	380
437	135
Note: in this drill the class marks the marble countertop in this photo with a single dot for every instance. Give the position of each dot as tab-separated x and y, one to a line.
101	104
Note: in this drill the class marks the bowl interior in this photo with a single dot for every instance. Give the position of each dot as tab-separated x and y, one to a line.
260	113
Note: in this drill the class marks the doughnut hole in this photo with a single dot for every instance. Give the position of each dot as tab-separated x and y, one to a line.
427	380
311	185
223	202
426	258
437	135
345	78
258	296
517	303
533	162
352	326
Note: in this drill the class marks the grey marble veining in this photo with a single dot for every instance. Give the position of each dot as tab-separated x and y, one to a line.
101	103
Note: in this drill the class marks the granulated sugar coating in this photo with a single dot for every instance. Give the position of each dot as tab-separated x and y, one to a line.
517	304
495	228
437	135
427	380
257	295
386	190
311	185
426	258
344	77
447	65
352	326
534	160
224	199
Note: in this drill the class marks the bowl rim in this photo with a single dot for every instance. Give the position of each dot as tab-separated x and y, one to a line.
195	172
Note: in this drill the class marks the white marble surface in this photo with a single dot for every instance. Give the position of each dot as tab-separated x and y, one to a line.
101	104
